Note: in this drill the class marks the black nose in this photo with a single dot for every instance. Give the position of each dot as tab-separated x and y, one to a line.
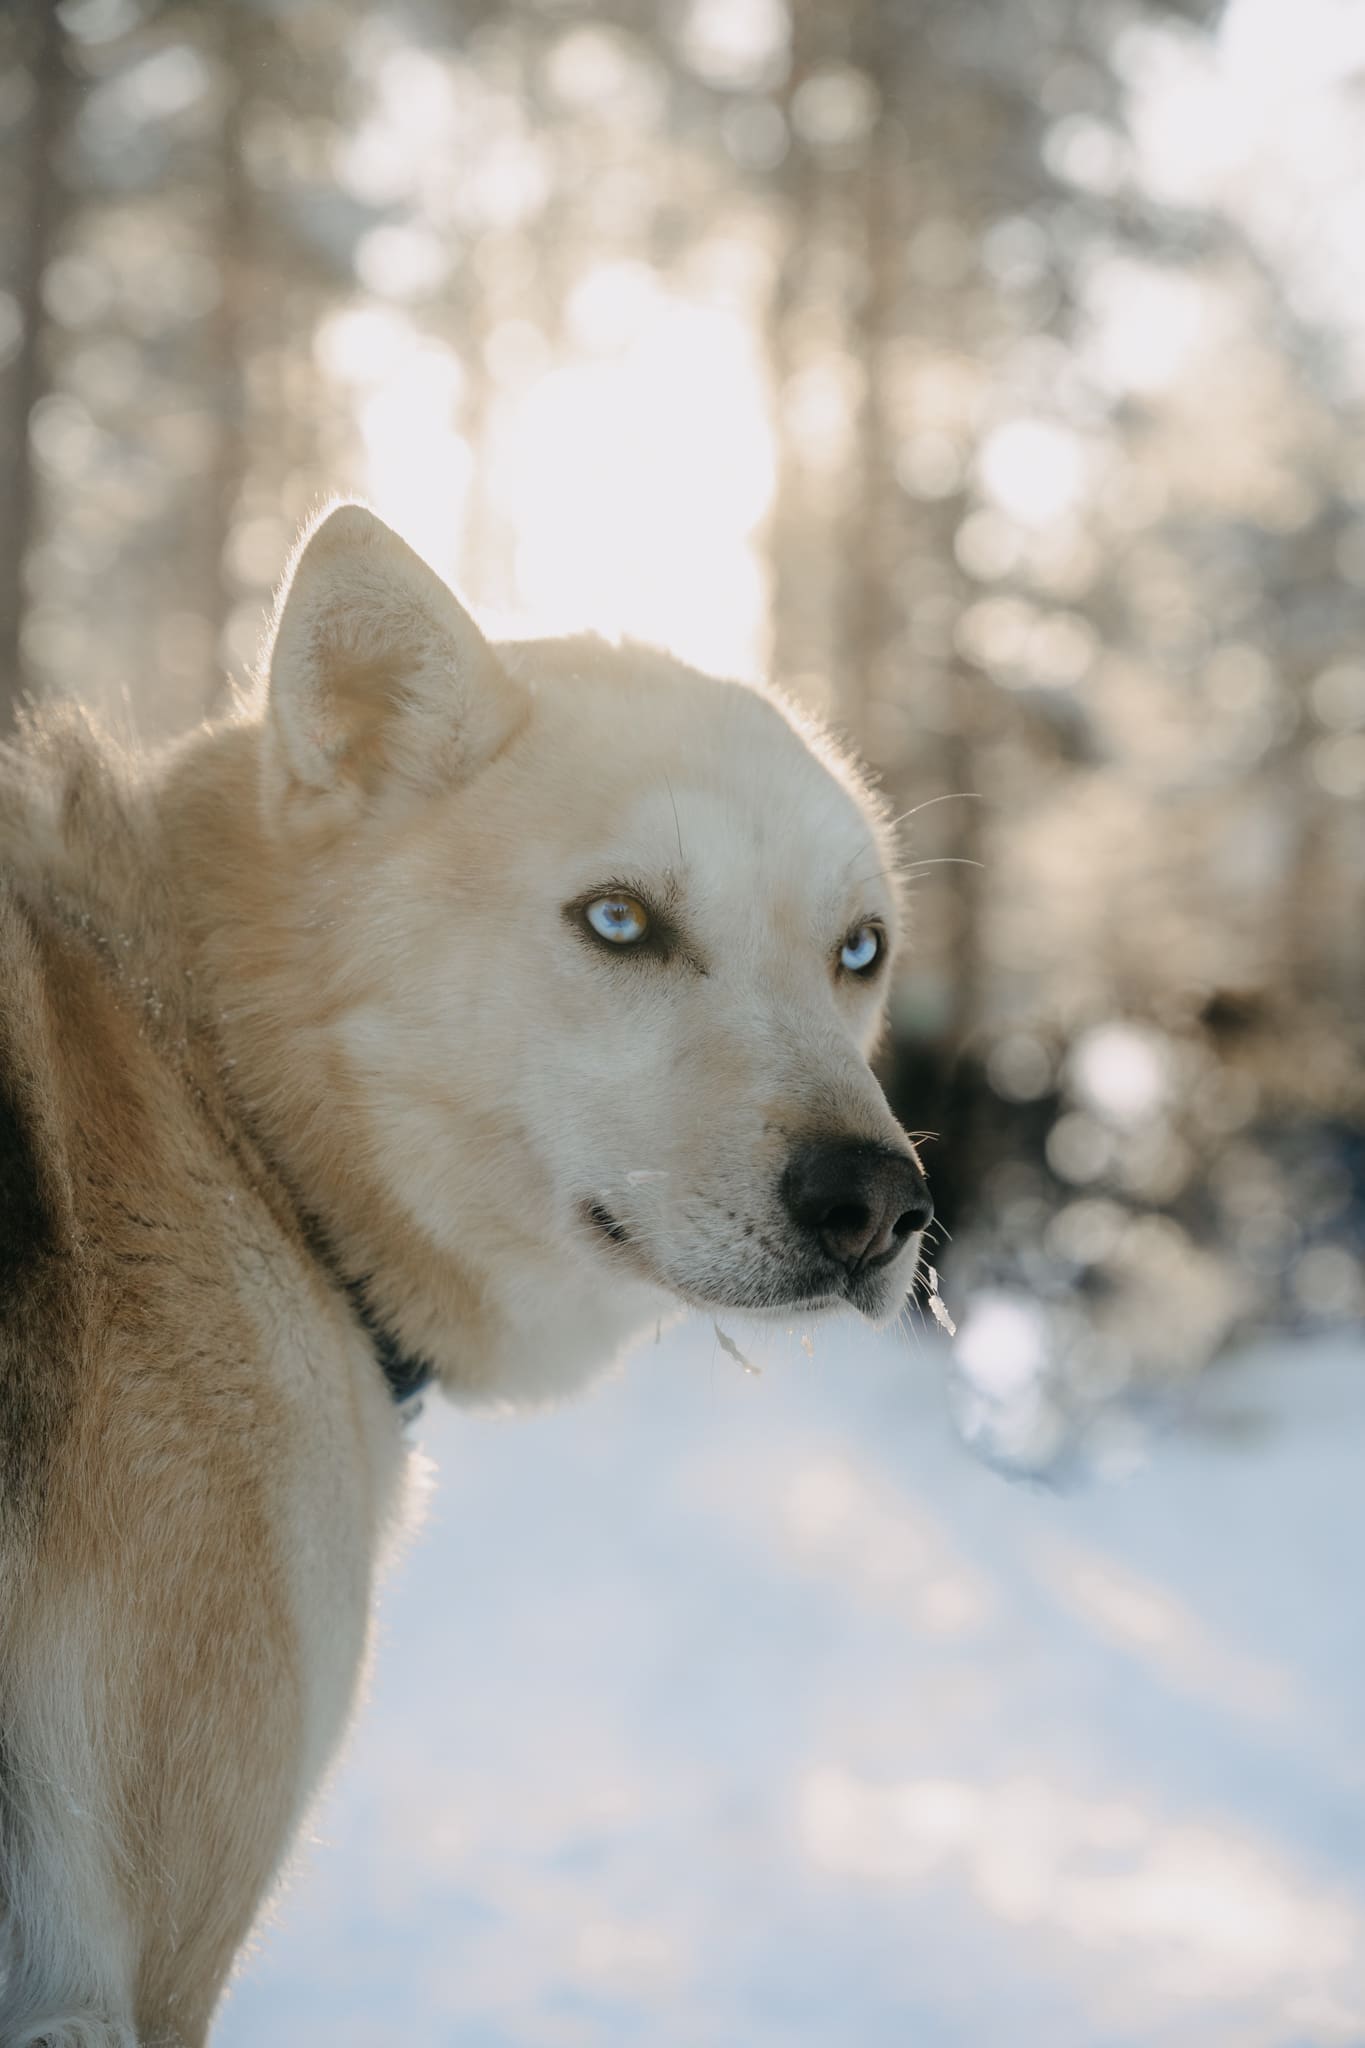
862	1201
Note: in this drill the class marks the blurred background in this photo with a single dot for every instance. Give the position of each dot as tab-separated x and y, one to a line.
992	372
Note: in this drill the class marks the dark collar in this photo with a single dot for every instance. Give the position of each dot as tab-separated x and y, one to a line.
407	1376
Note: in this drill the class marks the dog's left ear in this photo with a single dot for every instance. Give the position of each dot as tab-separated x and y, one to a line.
378	674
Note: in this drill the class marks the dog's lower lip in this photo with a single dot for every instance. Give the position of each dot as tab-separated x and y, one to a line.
609	1229
816	1297
603	1220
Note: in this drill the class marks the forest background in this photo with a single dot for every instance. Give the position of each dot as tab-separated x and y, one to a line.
991	374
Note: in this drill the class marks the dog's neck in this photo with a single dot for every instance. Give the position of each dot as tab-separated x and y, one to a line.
262	938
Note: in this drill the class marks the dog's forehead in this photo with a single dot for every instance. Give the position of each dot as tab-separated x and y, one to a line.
686	768
797	830
744	827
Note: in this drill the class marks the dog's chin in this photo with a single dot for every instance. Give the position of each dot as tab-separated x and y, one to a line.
880	1300
769	1293
776	1303
804	1290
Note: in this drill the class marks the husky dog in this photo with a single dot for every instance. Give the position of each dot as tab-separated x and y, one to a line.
452	1010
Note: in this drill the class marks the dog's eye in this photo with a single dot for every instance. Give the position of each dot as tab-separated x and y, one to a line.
862	949
621	920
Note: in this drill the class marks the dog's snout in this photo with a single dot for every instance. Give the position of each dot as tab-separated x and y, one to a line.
861	1201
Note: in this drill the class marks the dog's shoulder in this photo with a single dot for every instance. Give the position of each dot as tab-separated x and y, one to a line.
32	1215
43	1285
86	982
140	1224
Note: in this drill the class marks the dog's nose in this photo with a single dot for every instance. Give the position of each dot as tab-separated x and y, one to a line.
861	1200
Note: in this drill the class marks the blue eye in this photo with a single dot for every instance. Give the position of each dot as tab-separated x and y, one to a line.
862	949
621	920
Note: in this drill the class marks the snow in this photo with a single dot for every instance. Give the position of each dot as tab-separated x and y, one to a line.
738	1711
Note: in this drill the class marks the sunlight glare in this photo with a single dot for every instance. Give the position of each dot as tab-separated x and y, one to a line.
632	480
1262	120
741	45
635	485
1148	323
1034	469
1121	1072
406	391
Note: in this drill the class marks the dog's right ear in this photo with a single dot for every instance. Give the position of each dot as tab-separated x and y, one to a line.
379	678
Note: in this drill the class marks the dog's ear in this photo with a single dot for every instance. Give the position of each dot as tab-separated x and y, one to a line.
378	674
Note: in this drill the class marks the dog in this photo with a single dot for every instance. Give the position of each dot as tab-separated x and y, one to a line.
451	1010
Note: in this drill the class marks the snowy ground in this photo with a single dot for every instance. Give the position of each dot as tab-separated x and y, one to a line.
733	1712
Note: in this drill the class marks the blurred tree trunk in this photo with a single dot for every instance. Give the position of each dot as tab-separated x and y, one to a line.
816	629
40	50
236	257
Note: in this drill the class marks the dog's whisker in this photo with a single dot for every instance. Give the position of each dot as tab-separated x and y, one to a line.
954	796
676	826
940	860
951	797
905	870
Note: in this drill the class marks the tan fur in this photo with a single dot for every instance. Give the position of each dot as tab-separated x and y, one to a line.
311	997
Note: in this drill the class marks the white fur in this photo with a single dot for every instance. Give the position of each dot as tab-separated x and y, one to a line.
378	877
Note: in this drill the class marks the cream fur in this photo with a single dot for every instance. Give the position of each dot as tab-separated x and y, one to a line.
320	976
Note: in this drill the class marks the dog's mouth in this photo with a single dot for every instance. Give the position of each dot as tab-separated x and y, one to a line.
603	1220
809	1291
613	1235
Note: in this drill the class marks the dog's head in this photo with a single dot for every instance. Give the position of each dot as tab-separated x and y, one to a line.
612	944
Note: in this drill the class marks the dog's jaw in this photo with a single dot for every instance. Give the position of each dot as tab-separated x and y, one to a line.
878	1296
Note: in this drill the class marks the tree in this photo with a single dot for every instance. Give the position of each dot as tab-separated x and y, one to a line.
36	64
